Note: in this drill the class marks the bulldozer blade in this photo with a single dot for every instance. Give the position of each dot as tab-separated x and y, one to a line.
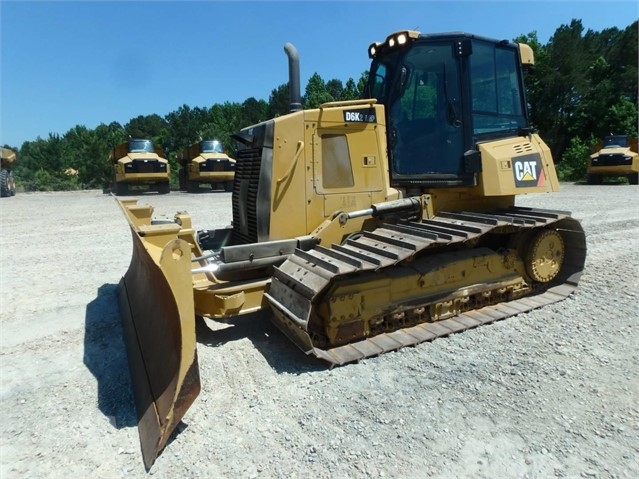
157	310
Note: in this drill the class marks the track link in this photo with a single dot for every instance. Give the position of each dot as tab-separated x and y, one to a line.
300	282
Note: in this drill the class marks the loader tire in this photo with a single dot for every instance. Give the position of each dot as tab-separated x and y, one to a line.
192	186
633	179
121	189
12	184
4	184
164	188
594	179
182	179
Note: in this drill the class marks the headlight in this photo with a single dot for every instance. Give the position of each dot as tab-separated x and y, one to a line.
393	40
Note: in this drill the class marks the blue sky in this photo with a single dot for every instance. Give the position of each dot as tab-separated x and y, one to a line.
84	63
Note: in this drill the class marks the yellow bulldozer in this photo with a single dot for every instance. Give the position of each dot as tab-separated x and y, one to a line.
7	183
138	163
615	155
364	226
206	162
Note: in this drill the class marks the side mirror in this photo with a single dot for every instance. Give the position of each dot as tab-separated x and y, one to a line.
472	161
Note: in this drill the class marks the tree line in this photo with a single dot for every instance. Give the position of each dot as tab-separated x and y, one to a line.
77	159
583	86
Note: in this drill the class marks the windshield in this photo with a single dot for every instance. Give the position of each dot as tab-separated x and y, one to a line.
377	82
442	95
211	146
615	141
496	92
421	92
140	146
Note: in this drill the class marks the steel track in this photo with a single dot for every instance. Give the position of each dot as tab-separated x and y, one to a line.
300	282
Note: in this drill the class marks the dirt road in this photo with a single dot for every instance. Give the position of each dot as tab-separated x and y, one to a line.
550	393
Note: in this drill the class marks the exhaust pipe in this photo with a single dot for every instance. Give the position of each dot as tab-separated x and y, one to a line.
293	77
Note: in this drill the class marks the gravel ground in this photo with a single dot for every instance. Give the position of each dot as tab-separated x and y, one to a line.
548	393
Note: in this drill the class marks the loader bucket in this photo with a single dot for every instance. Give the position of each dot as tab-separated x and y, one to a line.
156	305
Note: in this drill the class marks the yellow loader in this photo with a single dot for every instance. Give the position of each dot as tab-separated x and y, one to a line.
615	155
205	162
364	226
7	183
139	163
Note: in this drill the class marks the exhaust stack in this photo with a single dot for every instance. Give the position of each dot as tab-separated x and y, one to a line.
293	77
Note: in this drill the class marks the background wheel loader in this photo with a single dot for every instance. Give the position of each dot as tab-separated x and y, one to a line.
205	162
365	226
616	155
139	163
7	183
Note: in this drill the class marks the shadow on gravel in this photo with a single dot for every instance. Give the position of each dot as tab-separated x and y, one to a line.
282	355
105	356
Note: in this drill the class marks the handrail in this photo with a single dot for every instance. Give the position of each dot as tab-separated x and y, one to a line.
300	147
365	101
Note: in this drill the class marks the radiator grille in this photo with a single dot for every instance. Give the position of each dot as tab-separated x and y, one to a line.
247	178
145	166
215	165
612	159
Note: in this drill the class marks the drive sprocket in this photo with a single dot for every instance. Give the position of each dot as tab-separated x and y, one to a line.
545	255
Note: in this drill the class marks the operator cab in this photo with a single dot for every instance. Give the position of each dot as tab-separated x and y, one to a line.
444	93
616	141
141	146
211	146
